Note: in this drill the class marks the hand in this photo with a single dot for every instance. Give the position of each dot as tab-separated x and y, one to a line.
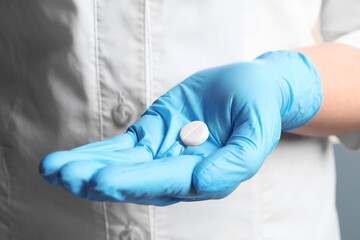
245	106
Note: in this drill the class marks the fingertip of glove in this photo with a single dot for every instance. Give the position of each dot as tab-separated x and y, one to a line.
50	163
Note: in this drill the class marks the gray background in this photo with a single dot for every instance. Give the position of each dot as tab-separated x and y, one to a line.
348	192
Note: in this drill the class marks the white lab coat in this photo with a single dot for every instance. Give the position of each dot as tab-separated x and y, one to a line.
75	71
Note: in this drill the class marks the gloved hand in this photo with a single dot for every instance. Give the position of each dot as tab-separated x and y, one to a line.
245	105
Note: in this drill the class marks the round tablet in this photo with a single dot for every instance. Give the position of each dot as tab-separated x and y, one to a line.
194	133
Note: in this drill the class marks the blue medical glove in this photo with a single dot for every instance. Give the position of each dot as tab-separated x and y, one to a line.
245	105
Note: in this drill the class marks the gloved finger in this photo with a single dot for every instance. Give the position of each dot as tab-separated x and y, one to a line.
250	143
51	164
125	140
75	175
226	168
167	177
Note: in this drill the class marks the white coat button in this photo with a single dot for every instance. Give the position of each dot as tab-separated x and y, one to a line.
123	112
194	133
130	233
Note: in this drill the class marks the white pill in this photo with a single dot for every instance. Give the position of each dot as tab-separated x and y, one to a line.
194	133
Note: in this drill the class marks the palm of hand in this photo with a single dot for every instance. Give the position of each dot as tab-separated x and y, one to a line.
149	164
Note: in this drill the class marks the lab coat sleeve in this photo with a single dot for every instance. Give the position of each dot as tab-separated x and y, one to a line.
340	22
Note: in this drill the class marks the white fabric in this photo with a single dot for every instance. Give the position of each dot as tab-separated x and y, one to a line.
70	68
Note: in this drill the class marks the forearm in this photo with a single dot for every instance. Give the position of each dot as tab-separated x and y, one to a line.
339	69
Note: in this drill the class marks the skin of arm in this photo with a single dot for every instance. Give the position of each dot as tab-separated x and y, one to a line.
339	69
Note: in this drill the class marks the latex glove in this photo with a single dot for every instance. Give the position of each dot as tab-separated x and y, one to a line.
245	105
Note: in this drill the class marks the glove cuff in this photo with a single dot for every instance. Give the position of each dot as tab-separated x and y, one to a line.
300	87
